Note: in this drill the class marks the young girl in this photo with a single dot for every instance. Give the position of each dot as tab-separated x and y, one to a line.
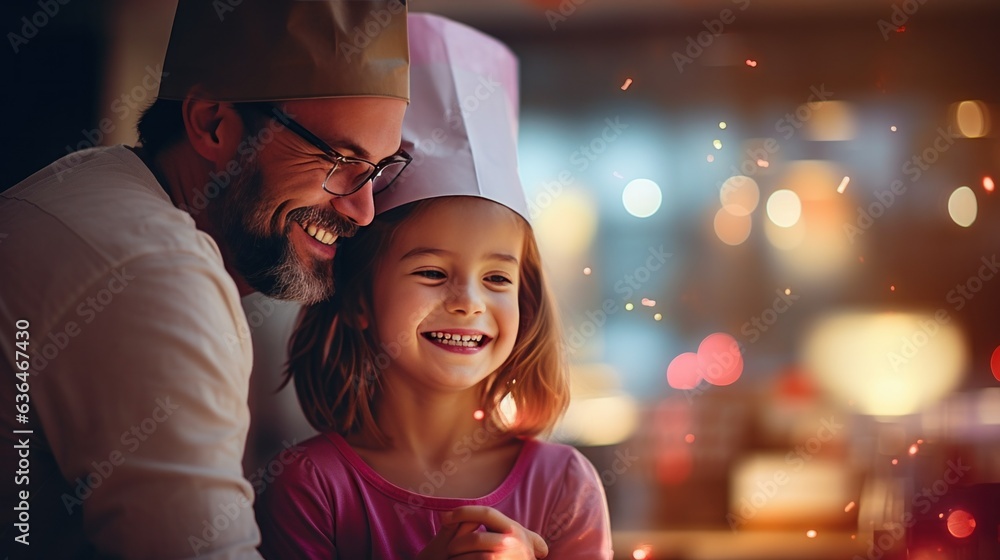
441	324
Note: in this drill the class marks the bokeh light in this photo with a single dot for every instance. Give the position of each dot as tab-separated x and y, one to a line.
972	119
962	206
739	195
565	224
961	523
784	208
995	363
785	238
829	120
731	229
642	198
720	361
682	373
889	364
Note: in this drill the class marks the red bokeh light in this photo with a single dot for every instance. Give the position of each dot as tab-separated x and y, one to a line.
995	363
961	523
720	361
682	373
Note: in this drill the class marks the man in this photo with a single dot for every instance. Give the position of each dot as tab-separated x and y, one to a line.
126	353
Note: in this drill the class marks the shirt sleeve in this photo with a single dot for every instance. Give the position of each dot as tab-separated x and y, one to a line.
295	514
145	411
579	525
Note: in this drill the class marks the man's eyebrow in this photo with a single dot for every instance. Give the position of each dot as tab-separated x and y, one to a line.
342	144
420	251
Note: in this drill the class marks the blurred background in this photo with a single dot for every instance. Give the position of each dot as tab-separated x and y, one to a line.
773	231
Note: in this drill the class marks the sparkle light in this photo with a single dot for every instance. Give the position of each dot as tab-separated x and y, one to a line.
587	271
788	291
642	198
629	306
478	415
892	288
763	163
849	507
895	461
722	125
628	82
811	533
914	449
710	158
642	553
893	128
843	185
717	143
988	183
649	302
657	317
751	63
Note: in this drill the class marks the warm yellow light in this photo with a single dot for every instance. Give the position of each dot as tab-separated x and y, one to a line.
783	238
784	208
962	206
739	195
888	364
972	119
599	413
565	225
717	144
828	120
731	230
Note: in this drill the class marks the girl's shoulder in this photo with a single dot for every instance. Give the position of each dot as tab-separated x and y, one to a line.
558	461
319	457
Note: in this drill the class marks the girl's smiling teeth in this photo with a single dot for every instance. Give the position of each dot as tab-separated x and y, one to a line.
461	340
319	234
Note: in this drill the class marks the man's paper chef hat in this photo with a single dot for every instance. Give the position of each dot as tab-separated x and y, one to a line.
461	125
270	50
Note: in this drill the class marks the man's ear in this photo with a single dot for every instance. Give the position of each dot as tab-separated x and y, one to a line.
214	129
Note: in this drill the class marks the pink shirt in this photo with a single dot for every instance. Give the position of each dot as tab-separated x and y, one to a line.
328	503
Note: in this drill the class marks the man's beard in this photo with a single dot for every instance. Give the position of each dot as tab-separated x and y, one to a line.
268	262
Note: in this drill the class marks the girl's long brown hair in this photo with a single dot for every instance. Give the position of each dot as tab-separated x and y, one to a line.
336	363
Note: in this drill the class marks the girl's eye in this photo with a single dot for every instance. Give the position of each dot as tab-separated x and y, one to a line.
498	279
430	274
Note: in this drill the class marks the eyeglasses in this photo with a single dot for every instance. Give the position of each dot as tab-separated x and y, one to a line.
351	173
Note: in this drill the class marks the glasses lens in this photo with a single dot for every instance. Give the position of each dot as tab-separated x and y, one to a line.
347	177
387	175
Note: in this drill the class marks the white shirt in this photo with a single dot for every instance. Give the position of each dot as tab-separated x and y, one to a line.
140	364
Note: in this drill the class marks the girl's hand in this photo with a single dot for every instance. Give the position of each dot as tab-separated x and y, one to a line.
504	538
437	549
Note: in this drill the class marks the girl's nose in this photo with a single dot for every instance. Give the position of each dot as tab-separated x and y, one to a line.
464	298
